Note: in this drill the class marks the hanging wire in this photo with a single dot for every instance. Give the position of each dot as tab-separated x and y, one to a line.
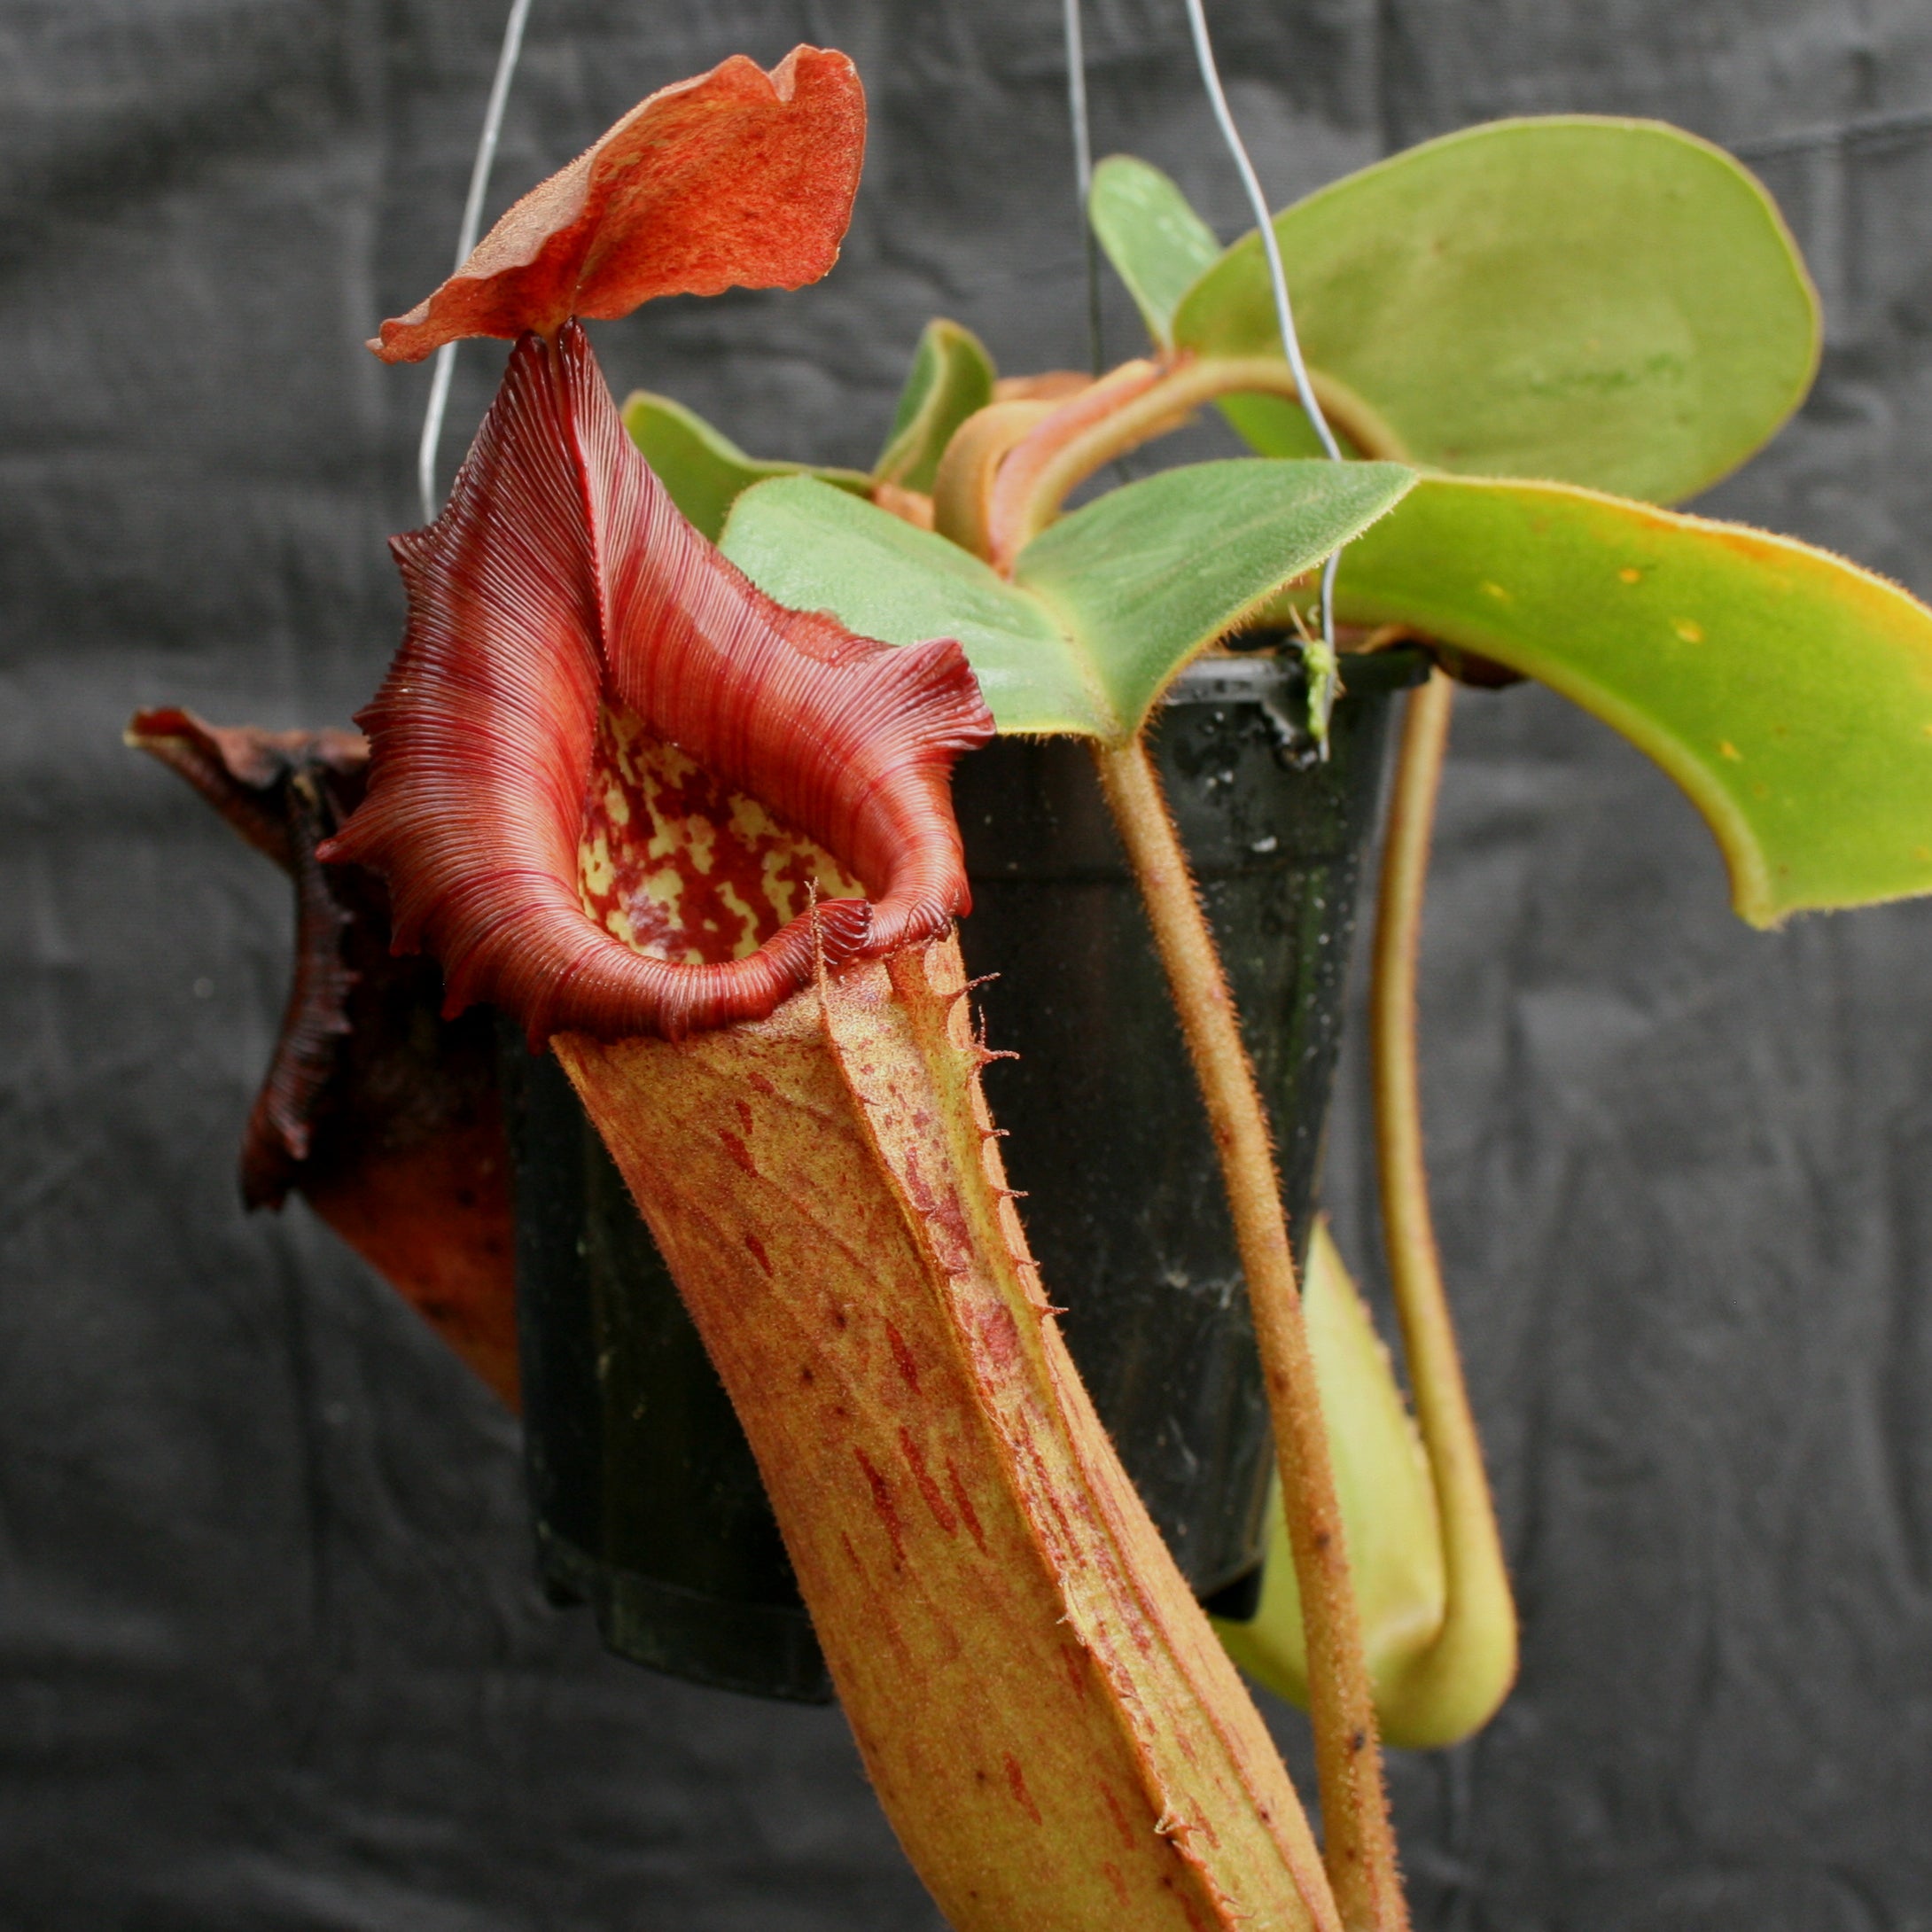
472	221
1320	653
1083	173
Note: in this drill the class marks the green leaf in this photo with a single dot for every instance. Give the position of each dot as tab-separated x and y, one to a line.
702	469
816	549
951	377
1610	302
1788	692
1158	245
1149	574
1388	1503
1104	609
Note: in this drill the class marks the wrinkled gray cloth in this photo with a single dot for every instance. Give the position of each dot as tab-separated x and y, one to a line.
272	1655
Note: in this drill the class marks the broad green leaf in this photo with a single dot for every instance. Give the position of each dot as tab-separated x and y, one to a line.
1149	574
1611	302
816	549
951	377
702	469
1387	1498
1104	609
1788	692
1158	245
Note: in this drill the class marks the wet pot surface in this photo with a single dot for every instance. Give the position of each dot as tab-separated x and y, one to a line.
647	1501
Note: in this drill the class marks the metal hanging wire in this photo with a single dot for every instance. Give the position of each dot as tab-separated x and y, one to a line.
473	221
1083	173
1320	659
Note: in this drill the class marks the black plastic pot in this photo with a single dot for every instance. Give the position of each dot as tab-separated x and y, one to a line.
648	1504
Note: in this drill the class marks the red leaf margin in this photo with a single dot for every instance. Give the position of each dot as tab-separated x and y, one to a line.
736	177
560	575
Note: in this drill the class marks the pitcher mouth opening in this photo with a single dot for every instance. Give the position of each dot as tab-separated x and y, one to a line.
565	619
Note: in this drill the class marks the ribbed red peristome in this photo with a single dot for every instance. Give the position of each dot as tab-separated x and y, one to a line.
735	179
561	576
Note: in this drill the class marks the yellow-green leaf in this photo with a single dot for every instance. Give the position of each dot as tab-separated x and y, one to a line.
1106	607
702	469
1158	245
1611	302
1147	576
1788	692
951	377
815	549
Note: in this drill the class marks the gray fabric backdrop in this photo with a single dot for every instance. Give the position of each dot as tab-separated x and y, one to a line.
269	1653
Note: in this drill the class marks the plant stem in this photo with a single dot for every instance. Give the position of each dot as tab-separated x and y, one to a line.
1456	1684
1068	446
1360	1846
